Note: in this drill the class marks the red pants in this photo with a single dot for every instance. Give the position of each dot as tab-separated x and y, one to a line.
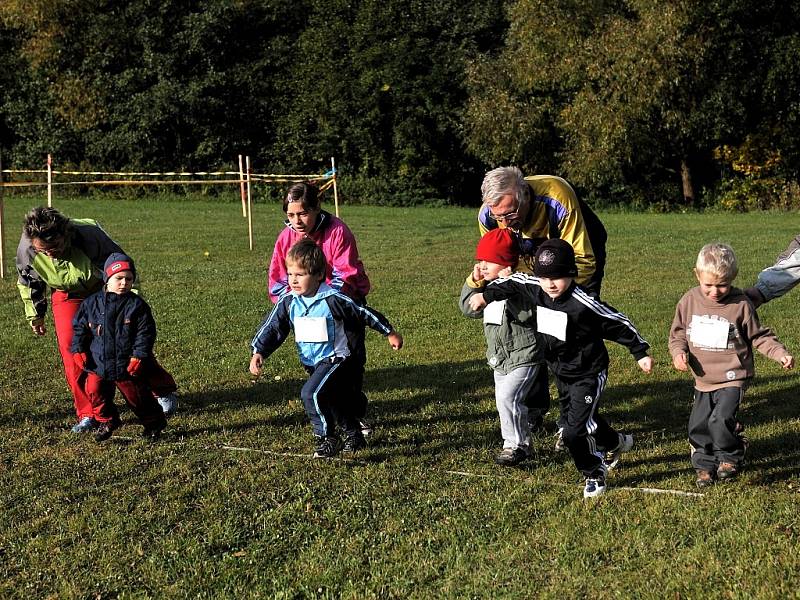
136	393
65	307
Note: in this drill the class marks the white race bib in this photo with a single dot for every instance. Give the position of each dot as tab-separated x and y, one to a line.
493	312
552	322
708	333
310	329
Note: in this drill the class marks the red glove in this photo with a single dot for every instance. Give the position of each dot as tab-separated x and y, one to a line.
80	360
134	366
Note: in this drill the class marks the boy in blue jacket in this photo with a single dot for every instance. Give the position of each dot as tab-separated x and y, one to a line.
114	334
327	326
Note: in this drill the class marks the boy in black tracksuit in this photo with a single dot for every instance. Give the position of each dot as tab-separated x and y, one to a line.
574	325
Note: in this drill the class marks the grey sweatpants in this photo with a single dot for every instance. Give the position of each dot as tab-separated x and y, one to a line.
510	392
712	428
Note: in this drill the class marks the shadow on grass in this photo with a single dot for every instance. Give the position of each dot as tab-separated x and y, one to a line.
441	410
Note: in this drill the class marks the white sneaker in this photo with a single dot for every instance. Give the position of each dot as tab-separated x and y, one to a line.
595	486
169	404
560	447
612	456
85	425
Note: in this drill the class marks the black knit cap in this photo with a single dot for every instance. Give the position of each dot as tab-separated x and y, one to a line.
555	259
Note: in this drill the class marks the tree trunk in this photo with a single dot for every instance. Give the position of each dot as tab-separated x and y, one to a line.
686	179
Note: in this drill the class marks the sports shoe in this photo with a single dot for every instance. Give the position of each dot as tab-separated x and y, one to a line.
105	430
509	457
595	485
85	425
169	404
366	427
612	456
704	478
151	434
727	470
560	446
327	446
536	422
354	442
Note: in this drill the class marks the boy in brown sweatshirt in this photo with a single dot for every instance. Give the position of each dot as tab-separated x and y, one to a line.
714	331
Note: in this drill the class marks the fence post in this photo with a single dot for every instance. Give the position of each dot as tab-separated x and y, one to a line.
2	223
49	181
249	206
335	191
241	187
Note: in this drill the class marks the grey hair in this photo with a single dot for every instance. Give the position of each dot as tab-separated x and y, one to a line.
46	224
717	259
502	181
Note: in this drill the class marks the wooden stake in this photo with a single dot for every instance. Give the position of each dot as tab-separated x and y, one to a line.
49	181
249	206
2	224
335	191
241	188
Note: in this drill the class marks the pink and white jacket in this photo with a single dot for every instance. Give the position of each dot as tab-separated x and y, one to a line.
345	270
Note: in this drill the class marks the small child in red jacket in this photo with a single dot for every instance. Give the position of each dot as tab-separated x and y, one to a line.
113	339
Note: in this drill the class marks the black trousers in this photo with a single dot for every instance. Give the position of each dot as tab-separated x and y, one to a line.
587	435
712	428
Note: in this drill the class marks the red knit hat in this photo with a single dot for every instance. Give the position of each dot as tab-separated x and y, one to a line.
498	246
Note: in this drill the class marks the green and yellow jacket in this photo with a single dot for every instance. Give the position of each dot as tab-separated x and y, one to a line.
79	271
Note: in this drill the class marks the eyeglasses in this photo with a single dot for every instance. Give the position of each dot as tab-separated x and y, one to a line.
49	248
505	218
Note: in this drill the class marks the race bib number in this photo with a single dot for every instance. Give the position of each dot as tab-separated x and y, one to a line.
709	333
552	322
311	329
493	312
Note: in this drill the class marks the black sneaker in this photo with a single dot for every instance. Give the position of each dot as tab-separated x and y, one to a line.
152	434
536	423
354	442
366	427
105	429
327	446
510	457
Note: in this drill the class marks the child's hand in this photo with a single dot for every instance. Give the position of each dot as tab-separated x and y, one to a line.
395	340
787	361
476	273
679	362
256	363
476	302
505	272
134	366
646	364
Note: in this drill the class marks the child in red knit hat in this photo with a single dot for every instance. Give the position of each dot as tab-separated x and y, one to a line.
513	347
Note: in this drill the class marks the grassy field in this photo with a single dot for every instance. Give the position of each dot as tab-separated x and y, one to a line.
229	504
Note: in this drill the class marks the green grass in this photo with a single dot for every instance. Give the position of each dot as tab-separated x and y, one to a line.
423	513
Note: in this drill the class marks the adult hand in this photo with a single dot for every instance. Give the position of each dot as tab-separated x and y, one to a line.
476	302
755	295
256	363
787	361
395	340
134	366
679	362
79	358
38	326
646	364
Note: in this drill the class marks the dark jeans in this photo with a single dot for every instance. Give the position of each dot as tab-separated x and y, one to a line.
712	428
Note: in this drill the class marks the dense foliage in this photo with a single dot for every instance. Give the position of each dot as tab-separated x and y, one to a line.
644	101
